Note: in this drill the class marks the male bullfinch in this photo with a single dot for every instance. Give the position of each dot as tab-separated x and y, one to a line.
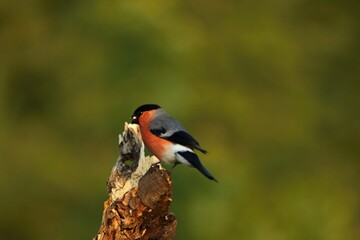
167	139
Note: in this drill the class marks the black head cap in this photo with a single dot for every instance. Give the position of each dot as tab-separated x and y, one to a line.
143	108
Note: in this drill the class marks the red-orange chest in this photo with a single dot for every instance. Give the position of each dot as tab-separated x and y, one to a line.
154	143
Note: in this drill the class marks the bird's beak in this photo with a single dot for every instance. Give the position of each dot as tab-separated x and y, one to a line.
133	119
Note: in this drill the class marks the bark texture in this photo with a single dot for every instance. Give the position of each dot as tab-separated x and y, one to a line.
139	195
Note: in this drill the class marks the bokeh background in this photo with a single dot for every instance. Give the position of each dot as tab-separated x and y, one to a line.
270	88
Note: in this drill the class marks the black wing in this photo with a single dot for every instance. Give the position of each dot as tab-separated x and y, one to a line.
180	137
168	128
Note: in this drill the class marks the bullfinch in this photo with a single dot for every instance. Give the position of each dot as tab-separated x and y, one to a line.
167	139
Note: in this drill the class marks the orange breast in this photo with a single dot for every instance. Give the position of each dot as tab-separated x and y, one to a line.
155	144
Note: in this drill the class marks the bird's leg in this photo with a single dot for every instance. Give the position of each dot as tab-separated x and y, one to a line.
174	165
170	170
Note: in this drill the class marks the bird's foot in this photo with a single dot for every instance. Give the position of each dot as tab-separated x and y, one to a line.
155	165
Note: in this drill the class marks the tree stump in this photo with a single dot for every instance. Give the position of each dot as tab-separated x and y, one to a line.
139	195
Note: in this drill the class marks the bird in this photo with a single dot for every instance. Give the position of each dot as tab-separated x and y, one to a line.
167	139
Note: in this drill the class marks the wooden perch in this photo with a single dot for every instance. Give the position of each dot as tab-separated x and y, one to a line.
140	195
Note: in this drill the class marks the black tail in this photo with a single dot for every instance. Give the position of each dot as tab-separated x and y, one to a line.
195	162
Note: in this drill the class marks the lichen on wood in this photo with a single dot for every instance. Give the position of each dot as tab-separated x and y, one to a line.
139	195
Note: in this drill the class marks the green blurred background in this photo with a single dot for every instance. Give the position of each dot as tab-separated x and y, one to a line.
270	88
